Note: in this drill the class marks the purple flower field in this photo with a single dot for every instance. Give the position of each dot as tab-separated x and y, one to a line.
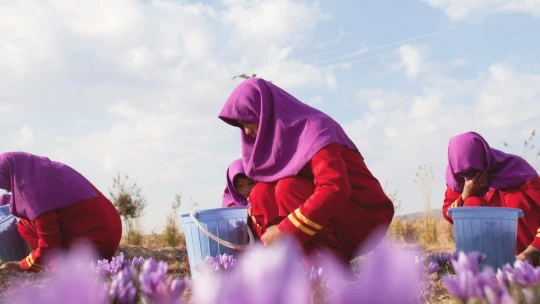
390	274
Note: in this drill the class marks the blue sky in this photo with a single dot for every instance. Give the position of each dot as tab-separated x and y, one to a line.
135	87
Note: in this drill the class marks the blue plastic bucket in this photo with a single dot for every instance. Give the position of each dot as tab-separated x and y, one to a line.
12	246
214	232
490	230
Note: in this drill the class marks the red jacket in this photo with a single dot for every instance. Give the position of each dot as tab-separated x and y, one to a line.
525	197
345	190
95	220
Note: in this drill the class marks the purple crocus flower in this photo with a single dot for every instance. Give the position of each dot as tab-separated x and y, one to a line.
155	286
123	290
134	263
463	286
117	263
433	267
219	264
466	262
152	277
226	261
176	290
523	274
498	294
446	257
468	282
103	267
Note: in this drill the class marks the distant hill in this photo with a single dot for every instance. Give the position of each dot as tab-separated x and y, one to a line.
436	213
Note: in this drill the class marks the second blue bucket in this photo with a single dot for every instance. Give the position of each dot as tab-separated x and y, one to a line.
12	245
214	232
490	230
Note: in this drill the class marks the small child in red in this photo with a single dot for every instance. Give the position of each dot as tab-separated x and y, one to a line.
238	187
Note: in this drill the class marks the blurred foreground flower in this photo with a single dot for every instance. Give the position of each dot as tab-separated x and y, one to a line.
275	274
72	282
75	281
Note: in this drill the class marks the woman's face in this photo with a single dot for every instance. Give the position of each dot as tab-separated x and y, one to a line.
243	186
469	174
251	128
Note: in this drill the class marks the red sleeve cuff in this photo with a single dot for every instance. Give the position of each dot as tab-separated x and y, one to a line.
536	241
29	264
299	226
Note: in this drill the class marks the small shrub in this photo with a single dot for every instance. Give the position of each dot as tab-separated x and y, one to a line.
171	235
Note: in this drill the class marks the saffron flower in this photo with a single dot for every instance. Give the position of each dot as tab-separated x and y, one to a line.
123	289
155	286
221	263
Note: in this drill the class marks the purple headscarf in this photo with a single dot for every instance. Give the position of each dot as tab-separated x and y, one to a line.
5	199
231	195
290	132
39	185
471	151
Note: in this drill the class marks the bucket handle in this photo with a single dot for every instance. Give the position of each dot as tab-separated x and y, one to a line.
223	242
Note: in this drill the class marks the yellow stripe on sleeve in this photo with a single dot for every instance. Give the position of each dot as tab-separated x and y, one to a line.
306	220
31	263
300	226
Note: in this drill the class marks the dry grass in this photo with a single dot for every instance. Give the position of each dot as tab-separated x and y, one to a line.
412	231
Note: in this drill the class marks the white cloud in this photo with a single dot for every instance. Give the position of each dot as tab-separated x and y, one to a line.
292	74
97	17
459	9
26	37
83	122
316	100
5	108
378	99
25	137
507	97
411	60
281	22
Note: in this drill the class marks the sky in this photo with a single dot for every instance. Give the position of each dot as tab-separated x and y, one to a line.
135	86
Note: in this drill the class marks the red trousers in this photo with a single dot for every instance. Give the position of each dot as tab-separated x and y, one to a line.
344	233
95	220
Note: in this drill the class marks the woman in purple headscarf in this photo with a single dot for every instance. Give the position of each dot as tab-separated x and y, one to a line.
57	206
238	186
312	182
478	175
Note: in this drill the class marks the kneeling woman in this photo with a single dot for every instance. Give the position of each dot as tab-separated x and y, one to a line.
238	187
312	181
478	175
57	206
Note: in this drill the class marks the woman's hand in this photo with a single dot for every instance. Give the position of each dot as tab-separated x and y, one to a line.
271	235
531	255
475	186
253	218
13	266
